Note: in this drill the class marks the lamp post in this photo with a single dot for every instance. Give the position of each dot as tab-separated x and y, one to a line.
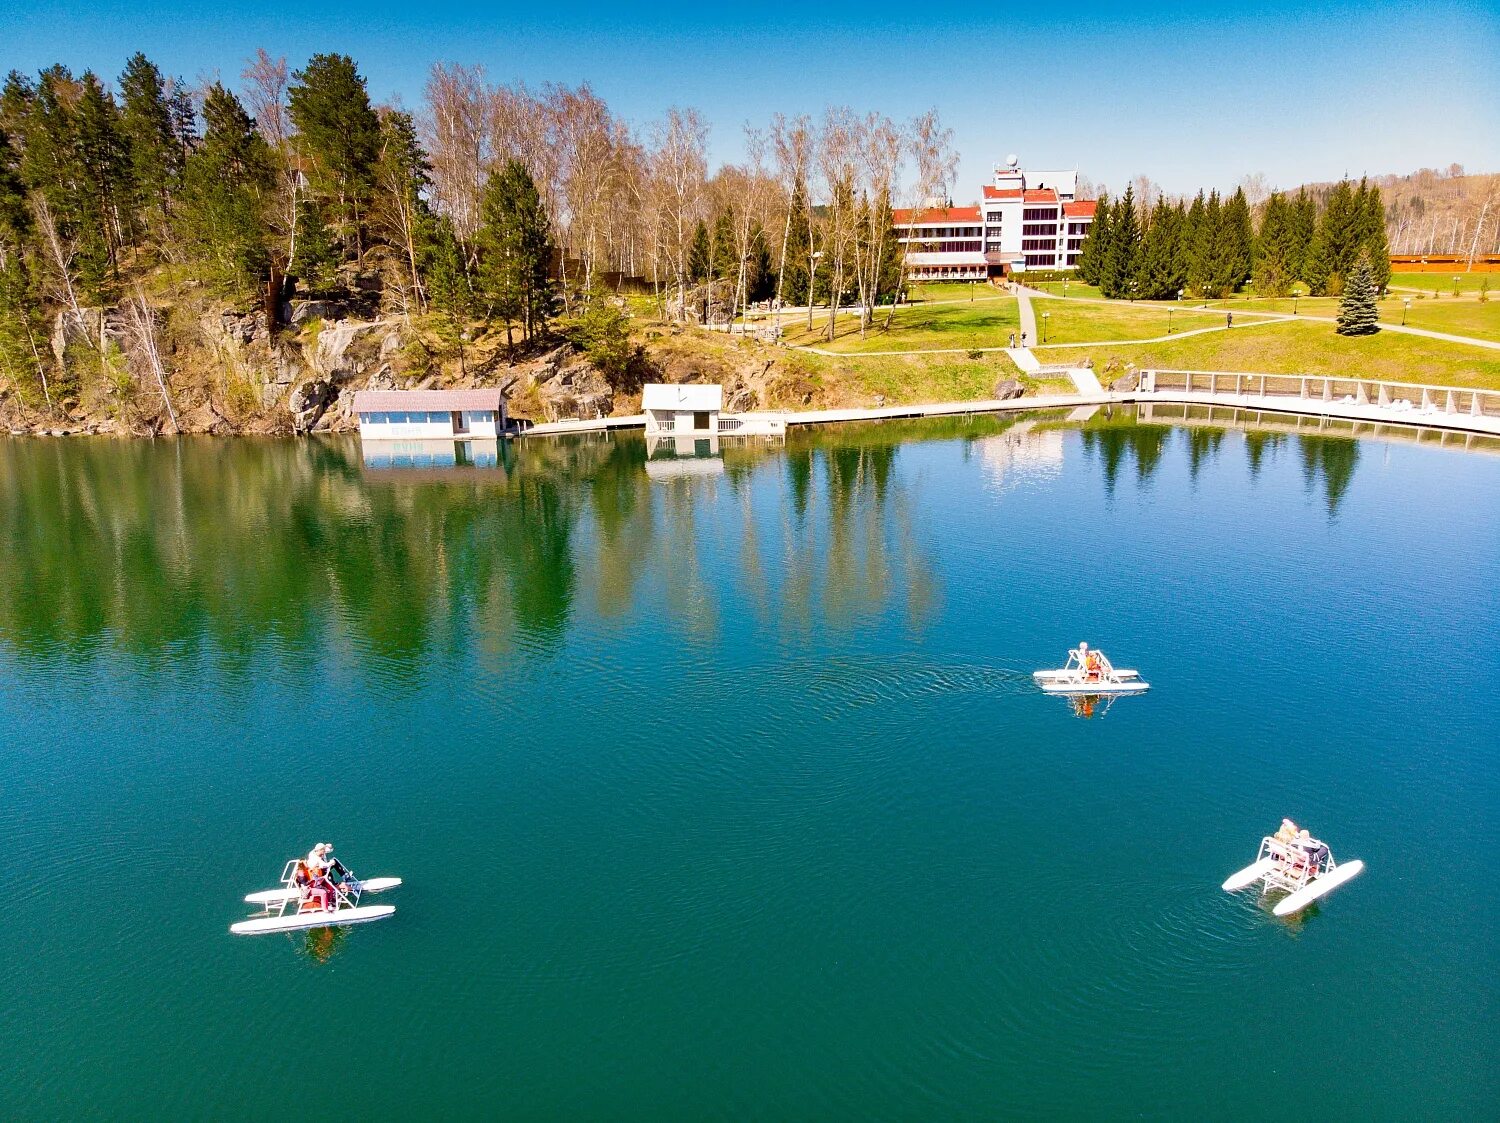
1455	286
1169	319
1405	308
1065	288
1295	297
1045	317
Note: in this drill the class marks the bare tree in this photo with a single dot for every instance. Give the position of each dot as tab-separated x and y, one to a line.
265	86
791	149
679	166
142	338
455	136
837	161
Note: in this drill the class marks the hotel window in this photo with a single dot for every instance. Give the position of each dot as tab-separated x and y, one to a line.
1040	214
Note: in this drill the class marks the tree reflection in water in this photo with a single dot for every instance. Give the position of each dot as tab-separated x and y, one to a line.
233	550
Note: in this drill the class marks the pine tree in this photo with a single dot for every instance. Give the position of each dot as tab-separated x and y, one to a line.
795	272
1091	252
106	188
726	263
515	250
1275	266
150	135
22	313
315	260
226	184
1161	274
450	288
1197	245
1373	240
1234	247
1303	229
1117	268
339	135
700	261
760	273
1357	311
1337	243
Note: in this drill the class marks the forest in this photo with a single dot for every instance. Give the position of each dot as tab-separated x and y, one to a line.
1213	247
493	208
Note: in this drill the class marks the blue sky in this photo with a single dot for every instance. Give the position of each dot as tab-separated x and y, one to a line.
1188	94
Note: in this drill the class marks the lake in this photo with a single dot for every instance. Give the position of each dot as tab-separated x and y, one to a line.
720	786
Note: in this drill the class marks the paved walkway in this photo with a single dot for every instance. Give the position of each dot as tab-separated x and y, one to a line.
1028	316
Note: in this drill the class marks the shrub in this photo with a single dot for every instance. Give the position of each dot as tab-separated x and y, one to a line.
602	332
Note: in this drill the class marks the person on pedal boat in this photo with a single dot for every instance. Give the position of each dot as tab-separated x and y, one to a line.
316	859
313	884
1093	666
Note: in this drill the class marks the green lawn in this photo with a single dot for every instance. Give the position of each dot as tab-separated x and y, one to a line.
1281	305
1461	317
1073	288
1070	321
986	323
1303	347
938	290
1443	282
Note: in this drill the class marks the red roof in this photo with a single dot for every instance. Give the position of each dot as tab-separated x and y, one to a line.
1045	195
1083	208
997	193
924	216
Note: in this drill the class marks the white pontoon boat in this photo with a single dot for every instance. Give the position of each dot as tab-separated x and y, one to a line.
308	912
1297	864
1090	672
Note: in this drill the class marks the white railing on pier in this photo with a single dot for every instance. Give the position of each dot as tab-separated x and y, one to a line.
1399	397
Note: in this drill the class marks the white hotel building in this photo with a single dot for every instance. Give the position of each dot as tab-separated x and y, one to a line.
1026	220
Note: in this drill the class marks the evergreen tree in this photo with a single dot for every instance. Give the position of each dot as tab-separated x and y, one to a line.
226	183
1161	274
1337	243
726	262
315	255
760	271
1373	241
1197	245
104	189
1091	252
1303	229
22	313
1118	266
515	250
700	261
1234	248
339	136
1275	258
150	135
450	288
1357	312
795	272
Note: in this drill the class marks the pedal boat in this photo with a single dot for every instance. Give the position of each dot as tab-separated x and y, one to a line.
1079	678
346	909
1303	868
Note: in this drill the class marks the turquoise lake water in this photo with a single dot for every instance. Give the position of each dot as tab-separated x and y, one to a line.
720	786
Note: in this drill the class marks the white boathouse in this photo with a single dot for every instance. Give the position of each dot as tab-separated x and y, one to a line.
408	415
682	409
694	409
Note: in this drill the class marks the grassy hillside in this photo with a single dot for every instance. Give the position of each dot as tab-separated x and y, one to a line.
1303	347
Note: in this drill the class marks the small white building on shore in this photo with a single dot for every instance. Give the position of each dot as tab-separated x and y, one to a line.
695	409
414	415
682	409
